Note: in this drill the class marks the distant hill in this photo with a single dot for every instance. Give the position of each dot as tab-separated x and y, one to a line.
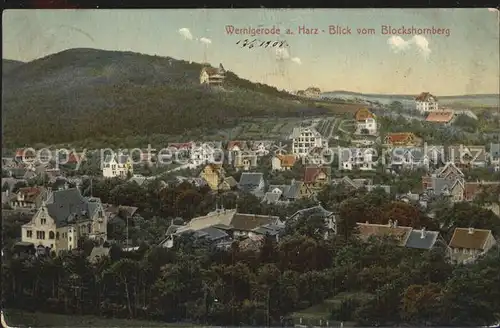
481	100
87	93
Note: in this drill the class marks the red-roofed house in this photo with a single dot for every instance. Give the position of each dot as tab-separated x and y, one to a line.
29	198
237	146
25	153
441	117
472	189
366	122
283	162
402	139
315	177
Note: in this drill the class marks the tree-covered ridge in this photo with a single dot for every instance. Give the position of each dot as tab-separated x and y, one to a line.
79	93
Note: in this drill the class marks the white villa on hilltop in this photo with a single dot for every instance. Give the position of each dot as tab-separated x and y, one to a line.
425	102
212	76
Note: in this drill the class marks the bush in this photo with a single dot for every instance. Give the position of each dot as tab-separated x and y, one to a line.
346	309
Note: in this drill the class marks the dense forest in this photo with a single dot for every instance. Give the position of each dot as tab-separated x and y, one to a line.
197	283
82	93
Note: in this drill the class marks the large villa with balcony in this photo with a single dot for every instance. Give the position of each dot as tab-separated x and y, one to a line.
63	218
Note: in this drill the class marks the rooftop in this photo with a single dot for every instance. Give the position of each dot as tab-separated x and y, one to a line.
440	116
469	238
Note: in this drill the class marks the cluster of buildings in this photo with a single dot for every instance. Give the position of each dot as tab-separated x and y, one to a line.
465	246
61	215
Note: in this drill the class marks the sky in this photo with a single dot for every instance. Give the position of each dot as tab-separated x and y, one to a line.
463	61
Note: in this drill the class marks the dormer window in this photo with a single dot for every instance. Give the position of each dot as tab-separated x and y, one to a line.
43	221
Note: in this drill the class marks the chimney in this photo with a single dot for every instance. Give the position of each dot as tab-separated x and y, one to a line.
423	233
395	224
390	223
367	222
66	186
471	231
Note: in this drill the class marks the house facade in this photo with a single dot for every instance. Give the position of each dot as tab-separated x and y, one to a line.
29	198
358	158
252	182
467	156
494	155
213	76
366	122
467	244
213	174
317	211
205	153
224	226
261	147
315	178
405	236
63	219
244	160
236	146
402	139
283	194
425	102
117	166
306	139
283	162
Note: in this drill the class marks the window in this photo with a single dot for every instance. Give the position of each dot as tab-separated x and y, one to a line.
43	221
57	235
40	235
29	234
69	238
99	214
51	235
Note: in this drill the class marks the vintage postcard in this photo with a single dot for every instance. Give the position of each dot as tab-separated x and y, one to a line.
257	167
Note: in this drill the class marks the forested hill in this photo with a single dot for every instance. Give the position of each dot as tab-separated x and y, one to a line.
83	93
9	64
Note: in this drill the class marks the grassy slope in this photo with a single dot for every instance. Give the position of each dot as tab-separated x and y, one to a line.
324	310
16	318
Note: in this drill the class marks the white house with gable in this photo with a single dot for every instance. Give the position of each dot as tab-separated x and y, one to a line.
117	166
425	102
305	139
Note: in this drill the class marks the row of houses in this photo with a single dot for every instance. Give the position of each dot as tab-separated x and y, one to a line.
446	181
63	216
465	246
222	226
66	215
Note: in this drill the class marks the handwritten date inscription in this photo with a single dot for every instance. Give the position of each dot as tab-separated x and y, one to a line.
261	44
